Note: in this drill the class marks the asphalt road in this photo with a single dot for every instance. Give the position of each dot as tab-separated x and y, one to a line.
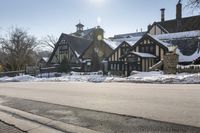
94	120
170	103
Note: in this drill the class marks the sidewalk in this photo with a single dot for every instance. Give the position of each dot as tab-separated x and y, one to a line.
37	124
6	128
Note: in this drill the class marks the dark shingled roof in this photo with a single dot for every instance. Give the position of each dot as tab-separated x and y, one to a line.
84	33
188	24
77	44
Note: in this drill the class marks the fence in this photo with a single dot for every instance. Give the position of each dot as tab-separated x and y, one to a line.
12	73
188	69
49	72
33	71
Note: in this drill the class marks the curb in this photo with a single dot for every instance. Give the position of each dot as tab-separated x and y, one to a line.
46	121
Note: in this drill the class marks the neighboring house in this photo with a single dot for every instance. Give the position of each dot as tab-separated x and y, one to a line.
187	45
69	47
42	62
179	24
95	55
182	34
120	48
84	49
145	53
151	49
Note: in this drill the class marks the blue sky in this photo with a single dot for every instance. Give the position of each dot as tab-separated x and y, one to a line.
42	17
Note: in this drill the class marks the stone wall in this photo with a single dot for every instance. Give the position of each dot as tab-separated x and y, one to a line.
188	69
170	63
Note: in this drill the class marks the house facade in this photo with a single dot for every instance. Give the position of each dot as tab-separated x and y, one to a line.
88	50
85	50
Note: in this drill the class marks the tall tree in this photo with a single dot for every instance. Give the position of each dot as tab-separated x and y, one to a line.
18	49
194	4
49	41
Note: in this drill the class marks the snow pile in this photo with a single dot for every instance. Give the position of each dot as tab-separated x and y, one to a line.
23	78
137	77
191	58
159	77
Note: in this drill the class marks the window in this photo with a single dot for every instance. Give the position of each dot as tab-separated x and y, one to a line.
151	49
111	66
117	66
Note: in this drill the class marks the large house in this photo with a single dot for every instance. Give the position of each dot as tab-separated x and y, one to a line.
84	49
180	34
88	50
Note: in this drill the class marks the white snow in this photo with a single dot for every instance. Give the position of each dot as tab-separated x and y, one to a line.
159	77
138	77
191	58
184	35
45	59
131	41
145	55
112	44
77	55
161	42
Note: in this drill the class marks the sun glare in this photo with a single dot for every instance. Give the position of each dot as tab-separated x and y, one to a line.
97	2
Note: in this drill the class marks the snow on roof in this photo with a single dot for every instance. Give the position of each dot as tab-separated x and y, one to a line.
78	55
171	36
45	59
128	35
191	58
131	41
161	42
113	44
145	55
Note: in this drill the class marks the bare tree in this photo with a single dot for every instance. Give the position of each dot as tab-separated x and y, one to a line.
18	49
49	41
194	4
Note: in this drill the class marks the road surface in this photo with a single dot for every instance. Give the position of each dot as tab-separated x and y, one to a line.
170	103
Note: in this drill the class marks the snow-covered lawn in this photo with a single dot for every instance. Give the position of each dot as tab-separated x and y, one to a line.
138	77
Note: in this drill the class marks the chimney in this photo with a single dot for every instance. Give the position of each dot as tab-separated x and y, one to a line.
162	14
149	27
179	10
179	16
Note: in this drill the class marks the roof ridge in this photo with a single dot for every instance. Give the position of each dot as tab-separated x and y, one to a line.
71	35
182	18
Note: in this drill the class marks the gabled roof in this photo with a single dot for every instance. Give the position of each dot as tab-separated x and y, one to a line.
121	43
131	41
188	24
162	44
111	43
77	44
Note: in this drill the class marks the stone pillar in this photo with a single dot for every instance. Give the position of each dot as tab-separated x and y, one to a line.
170	63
